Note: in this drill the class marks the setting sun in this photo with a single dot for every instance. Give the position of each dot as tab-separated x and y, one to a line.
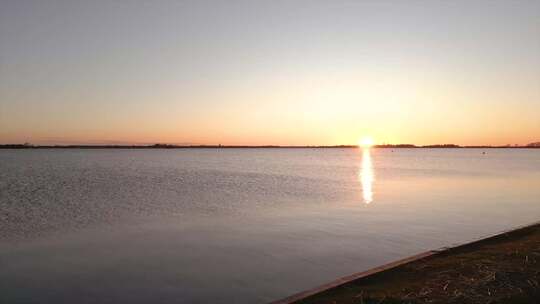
366	142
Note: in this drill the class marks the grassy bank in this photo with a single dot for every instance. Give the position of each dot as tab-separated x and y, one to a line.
500	269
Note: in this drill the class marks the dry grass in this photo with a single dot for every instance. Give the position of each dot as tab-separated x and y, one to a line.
503	269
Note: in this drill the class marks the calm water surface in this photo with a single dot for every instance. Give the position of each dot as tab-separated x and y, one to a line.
240	225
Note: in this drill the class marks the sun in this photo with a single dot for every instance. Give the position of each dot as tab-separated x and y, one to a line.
366	142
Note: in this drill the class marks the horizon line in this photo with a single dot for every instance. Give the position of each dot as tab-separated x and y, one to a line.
187	146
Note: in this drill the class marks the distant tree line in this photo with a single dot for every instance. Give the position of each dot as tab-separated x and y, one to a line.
172	146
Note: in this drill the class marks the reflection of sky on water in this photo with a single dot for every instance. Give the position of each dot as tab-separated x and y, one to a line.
240	225
367	176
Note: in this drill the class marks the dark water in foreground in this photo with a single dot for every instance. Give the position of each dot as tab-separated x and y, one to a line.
240	226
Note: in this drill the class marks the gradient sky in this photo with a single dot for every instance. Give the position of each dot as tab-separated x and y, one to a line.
269	72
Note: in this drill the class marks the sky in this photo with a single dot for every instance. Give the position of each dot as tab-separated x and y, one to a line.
269	72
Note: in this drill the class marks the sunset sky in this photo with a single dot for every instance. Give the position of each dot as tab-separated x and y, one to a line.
269	72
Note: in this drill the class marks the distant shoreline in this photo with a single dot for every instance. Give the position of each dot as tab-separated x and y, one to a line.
167	146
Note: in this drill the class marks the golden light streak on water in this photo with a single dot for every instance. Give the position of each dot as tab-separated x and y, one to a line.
367	176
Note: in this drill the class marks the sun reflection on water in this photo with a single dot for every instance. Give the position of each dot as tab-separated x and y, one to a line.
367	176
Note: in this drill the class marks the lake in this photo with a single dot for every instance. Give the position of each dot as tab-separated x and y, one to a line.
240	225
